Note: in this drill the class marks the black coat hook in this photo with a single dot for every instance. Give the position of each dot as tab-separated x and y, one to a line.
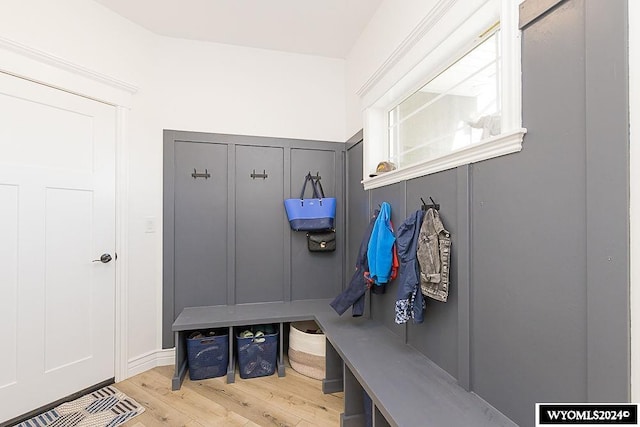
205	175
262	175
433	204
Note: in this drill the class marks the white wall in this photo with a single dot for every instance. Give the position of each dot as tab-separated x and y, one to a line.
81	32
184	85
221	88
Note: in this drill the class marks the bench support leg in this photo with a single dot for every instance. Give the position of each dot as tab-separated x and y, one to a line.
352	420
231	374
378	419
354	414
281	352
181	362
333	381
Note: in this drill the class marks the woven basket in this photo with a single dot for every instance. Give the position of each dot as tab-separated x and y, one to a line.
307	350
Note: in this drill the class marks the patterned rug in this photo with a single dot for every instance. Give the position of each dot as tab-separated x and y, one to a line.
107	407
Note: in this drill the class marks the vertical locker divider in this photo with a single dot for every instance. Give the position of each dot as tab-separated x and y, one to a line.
231	374
281	351
180	362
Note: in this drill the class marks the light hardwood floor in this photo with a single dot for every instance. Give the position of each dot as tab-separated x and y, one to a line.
293	400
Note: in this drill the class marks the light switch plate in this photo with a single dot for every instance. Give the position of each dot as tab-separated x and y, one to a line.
150	224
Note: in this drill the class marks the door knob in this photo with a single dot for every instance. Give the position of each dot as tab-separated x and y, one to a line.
105	258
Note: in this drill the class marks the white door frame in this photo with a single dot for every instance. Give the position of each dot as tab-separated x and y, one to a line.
41	67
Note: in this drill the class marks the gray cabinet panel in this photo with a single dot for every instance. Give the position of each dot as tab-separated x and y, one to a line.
259	229
528	291
437	337
314	274
607	162
322	162
231	228
357	207
200	225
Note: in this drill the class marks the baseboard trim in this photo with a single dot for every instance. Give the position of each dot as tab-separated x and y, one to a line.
150	360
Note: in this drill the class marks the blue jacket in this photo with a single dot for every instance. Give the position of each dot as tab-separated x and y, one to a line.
410	302
379	251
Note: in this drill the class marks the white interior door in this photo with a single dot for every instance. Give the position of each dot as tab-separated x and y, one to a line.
57	215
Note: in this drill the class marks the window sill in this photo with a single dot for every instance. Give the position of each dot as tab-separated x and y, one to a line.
506	143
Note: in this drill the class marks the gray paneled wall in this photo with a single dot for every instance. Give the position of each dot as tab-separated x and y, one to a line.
358	206
321	278
259	230
607	158
539	302
200	210
529	234
357	209
437	336
226	239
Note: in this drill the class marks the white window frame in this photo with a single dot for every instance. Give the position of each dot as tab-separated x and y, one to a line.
465	35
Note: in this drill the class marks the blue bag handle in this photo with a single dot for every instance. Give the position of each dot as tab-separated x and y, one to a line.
308	178
320	190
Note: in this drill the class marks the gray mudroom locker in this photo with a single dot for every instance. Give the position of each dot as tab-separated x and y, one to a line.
227	239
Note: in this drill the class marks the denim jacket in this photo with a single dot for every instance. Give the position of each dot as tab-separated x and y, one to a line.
434	252
409	301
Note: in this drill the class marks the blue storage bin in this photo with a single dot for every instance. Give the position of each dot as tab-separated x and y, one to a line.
208	355
257	356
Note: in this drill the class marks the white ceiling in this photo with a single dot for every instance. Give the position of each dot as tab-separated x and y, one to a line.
321	27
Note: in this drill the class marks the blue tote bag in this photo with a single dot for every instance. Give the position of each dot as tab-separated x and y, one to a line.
315	214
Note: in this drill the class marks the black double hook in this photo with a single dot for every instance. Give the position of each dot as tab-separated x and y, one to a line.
205	175
433	204
262	175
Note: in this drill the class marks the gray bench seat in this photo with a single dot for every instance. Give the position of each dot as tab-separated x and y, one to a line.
220	316
406	388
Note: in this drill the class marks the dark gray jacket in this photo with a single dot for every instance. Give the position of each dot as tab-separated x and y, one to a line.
354	295
409	302
434	252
